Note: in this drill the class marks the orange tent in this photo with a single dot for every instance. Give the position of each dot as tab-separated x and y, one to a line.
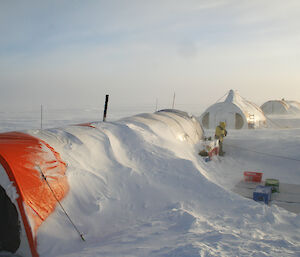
24	191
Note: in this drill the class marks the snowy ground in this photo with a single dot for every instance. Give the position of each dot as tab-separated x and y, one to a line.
137	190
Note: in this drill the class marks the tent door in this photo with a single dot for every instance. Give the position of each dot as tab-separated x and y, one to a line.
205	120
9	224
229	118
239	122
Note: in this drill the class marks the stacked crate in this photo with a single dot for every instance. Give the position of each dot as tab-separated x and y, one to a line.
273	183
250	176
262	192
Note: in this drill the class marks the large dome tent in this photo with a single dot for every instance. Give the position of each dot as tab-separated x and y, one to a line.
281	107
237	112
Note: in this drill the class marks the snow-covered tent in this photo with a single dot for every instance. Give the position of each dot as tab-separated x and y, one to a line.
33	175
281	107
237	112
26	200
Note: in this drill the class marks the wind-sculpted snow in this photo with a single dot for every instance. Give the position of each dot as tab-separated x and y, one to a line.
139	188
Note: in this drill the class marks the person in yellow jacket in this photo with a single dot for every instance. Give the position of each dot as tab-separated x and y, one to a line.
220	133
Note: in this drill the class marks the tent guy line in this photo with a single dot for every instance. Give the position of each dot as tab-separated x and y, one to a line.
227	92
57	200
275	123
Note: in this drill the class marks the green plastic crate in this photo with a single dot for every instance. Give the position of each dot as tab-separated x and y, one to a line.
274	183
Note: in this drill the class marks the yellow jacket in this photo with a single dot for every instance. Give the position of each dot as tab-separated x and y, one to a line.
221	132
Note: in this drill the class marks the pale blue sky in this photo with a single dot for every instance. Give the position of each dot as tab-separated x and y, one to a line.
71	53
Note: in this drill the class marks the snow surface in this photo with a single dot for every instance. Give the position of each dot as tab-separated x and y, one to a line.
141	189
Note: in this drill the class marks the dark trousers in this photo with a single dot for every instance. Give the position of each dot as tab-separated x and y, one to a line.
221	153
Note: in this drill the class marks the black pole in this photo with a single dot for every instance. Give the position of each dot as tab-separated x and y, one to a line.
105	107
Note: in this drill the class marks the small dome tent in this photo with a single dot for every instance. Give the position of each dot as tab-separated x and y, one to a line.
237	112
281	107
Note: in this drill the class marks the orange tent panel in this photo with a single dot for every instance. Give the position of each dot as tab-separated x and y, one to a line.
23	156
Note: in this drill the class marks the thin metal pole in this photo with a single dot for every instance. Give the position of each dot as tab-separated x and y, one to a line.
173	101
41	116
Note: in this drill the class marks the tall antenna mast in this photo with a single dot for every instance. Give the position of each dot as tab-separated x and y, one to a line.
173	104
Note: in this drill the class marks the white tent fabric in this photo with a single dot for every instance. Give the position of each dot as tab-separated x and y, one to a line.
237	112
281	107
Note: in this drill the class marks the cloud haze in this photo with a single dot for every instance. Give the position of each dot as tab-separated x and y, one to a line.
71	53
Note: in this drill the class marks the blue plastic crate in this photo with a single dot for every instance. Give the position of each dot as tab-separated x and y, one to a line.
262	194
